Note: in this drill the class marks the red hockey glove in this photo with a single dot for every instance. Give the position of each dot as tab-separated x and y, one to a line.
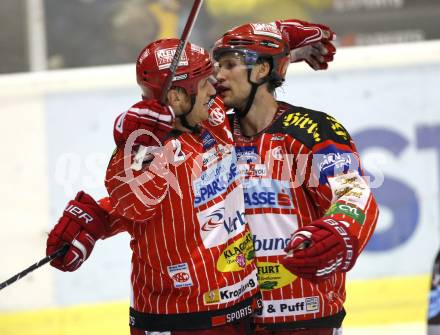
309	42
81	225
148	116
317	55
317	251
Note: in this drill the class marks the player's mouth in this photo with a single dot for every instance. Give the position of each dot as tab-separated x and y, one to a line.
222	90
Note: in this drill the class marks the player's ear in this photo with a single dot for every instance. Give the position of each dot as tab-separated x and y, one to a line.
173	97
179	100
264	70
261	70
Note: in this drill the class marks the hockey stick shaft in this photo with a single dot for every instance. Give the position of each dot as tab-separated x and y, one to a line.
59	253
182	44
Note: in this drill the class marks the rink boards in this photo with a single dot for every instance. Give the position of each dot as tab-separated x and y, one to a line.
60	126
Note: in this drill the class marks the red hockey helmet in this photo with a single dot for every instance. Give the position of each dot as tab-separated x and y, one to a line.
155	59
257	41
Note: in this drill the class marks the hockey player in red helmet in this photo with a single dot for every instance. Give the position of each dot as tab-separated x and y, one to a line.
255	44
154	60
186	273
152	69
322	213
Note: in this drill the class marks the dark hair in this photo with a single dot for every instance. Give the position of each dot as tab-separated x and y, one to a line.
273	80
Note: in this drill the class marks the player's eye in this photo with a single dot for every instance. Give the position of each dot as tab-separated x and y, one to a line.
227	64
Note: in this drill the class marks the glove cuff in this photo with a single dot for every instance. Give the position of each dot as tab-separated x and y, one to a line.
341	231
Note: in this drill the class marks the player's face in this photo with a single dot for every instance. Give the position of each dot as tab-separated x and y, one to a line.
233	85
205	90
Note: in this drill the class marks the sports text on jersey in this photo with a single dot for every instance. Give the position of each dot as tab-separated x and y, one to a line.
232	292
214	181
332	161
239	249
267	193
306	305
270	244
218	218
236	256
271	232
223	220
272	276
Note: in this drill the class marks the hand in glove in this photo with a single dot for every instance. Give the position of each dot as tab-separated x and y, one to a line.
318	250
80	226
148	116
309	42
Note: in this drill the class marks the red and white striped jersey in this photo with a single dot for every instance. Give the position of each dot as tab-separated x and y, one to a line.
193	258
302	167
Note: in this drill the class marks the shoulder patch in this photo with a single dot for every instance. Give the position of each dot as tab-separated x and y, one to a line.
309	126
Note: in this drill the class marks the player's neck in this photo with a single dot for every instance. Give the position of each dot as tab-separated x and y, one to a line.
178	125
260	114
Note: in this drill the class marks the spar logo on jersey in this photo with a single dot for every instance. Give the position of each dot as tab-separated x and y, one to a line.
247	154
267	193
180	275
214	181
164	57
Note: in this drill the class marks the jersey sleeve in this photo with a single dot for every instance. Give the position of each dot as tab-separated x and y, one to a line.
115	223
337	182
136	187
